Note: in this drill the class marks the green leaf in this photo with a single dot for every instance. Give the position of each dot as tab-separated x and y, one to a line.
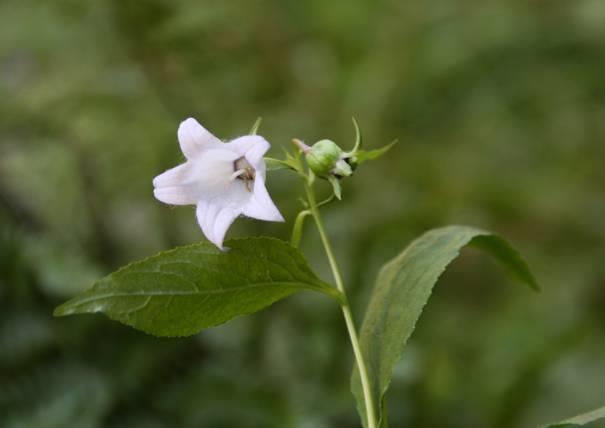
256	125
362	156
580	420
184	290
335	182
358	138
403	288
277	164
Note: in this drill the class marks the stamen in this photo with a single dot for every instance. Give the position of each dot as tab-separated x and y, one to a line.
237	174
244	171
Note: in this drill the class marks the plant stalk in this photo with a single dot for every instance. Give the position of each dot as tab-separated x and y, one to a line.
345	306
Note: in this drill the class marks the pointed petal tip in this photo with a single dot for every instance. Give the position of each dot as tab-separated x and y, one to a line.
215	220
189	121
193	137
172	177
263	212
188	125
218	245
279	218
174	195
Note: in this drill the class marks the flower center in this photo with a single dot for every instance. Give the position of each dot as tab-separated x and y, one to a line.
242	170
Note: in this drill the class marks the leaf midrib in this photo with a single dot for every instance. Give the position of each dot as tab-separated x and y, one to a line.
291	284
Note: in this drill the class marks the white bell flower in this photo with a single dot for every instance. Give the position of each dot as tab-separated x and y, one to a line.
224	180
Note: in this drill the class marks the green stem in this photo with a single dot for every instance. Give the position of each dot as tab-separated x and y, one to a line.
298	227
345	306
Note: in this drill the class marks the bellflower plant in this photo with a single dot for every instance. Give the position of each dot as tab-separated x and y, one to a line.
184	290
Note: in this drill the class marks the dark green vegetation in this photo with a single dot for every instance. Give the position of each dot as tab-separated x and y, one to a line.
499	109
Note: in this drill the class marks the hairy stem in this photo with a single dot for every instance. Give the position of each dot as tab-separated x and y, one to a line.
345	306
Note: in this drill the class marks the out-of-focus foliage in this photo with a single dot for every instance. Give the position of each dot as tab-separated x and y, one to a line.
581	420
499	108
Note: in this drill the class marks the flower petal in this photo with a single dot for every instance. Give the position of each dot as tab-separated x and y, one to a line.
253	147
176	195
260	205
194	138
215	220
174	176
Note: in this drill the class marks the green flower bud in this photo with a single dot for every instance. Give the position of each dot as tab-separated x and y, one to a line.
323	158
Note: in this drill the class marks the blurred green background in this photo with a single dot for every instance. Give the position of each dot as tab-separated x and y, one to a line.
499	109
